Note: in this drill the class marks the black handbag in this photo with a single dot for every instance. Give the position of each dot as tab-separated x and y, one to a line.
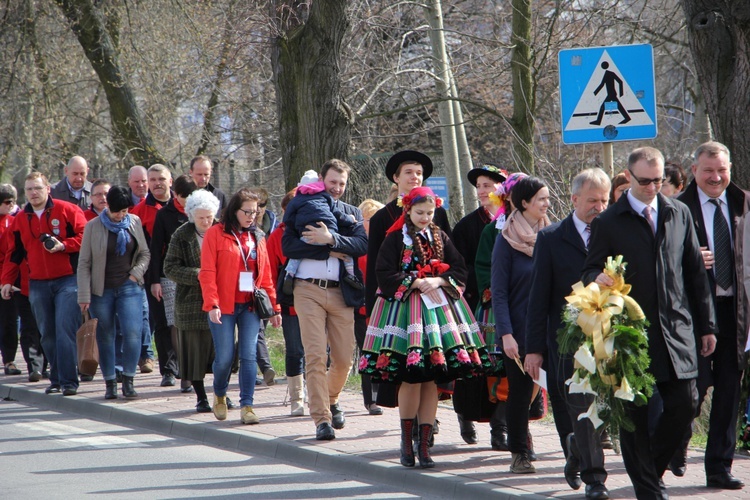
262	304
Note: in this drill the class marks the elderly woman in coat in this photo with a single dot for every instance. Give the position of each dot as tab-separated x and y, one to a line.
181	265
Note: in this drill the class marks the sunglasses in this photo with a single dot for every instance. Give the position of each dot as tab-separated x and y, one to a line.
645	182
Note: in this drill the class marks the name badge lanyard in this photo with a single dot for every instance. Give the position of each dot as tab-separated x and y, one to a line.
247	283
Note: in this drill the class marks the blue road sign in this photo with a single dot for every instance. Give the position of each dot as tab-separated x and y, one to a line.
439	186
607	94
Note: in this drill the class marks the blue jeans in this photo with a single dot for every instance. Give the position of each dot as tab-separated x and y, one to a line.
295	353
123	303
248	325
55	306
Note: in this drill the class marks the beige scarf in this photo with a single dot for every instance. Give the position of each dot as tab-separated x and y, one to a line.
520	235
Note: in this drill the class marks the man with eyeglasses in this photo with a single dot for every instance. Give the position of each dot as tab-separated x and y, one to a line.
48	234
657	239
324	301
74	188
716	204
99	190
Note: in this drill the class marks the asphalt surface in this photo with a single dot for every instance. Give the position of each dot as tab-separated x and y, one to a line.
366	449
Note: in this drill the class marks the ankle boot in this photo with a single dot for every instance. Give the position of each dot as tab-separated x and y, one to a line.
423	451
297	395
111	389
499	428
127	387
407	450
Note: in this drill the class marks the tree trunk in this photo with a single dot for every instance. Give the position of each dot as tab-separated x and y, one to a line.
131	138
434	13
464	154
314	121
209	117
720	41
523	94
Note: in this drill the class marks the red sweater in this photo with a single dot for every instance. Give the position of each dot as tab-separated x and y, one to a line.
146	211
61	219
221	266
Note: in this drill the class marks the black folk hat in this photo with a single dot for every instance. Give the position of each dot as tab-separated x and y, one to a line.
408	156
491	171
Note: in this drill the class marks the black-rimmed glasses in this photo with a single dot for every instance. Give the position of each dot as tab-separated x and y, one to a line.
250	213
645	182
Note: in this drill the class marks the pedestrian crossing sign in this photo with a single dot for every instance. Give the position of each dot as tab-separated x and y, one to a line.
607	94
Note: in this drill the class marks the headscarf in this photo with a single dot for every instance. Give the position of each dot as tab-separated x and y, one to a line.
410	199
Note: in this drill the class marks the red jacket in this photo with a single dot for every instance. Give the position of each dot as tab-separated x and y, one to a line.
5	237
90	214
146	211
276	257
220	269
61	219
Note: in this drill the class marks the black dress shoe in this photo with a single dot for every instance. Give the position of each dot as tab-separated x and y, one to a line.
52	389
499	441
203	406
338	419
324	432
230	404
168	380
12	369
678	463
186	386
69	391
86	378
573	464
597	491
35	376
725	481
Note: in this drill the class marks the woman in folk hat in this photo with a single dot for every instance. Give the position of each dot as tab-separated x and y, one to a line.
486	179
421	330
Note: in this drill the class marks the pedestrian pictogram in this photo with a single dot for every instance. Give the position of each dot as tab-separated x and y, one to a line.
607	94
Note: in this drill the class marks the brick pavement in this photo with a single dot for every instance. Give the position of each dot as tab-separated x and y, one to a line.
367	447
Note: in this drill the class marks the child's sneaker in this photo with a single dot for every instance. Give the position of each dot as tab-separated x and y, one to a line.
353	281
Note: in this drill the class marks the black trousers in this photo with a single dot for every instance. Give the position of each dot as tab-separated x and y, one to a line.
520	387
8	331
587	440
646	458
31	338
721	370
162	336
262	358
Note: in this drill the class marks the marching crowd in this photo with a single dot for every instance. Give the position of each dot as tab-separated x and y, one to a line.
470	312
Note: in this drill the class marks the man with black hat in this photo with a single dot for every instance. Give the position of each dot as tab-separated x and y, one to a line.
486	179
407	169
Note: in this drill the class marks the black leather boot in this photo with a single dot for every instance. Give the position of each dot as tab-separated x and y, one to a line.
127	387
111	389
468	430
407	451
423	451
499	428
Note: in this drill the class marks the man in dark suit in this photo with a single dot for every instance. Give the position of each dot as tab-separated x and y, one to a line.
657	239
712	171
559	255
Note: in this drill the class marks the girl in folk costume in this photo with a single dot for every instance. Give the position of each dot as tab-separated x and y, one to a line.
410	340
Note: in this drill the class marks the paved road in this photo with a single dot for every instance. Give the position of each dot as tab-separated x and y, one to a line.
47	455
366	450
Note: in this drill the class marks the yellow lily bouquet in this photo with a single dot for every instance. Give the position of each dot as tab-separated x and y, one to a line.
604	330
